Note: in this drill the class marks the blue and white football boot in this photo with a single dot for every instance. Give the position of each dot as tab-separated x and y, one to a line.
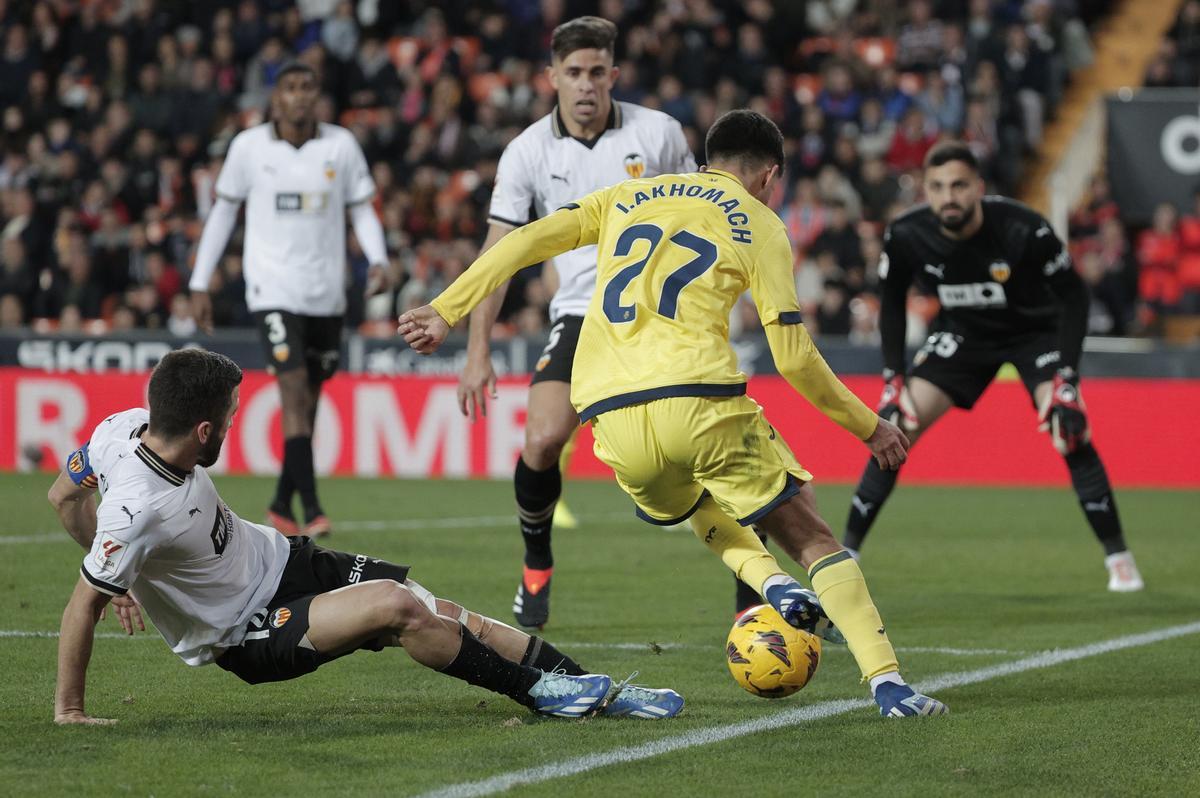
800	607
564	696
627	700
901	701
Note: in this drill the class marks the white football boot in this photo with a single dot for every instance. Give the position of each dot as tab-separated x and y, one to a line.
1123	576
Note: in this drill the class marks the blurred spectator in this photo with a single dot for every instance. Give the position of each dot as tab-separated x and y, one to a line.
1158	261
114	117
913	139
1189	257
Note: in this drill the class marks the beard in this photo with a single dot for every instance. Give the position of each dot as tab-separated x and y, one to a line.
954	225
210	452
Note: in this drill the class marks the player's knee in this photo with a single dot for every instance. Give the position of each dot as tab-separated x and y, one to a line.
395	607
543	445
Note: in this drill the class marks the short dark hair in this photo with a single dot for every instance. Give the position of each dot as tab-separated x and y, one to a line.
189	386
744	135
295	66
583	33
947	151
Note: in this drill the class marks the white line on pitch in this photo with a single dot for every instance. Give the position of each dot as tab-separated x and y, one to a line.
465	522
794	717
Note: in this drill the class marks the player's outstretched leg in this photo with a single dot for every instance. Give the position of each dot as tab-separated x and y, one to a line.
392	613
842	591
1095	494
624	699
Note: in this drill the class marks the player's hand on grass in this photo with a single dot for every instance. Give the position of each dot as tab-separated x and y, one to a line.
71	717
476	385
423	329
202	310
888	445
1063	414
127	612
894	403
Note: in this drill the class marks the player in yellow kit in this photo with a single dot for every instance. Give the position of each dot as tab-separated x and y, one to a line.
656	376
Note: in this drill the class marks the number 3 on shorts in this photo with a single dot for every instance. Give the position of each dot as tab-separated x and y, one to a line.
276	332
668	303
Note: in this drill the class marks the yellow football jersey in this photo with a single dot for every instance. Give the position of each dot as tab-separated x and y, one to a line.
674	254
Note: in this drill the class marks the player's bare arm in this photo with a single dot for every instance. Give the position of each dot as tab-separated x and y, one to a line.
477	383
76	636
426	327
76	509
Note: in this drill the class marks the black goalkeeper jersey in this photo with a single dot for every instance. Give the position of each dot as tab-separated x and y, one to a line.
1013	278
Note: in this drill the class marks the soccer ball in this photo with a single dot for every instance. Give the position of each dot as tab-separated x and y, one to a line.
768	657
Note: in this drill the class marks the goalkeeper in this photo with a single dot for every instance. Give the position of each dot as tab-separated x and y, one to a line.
1008	294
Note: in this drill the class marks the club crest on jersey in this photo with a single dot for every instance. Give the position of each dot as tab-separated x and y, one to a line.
1000	271
542	362
280	617
330	171
635	165
280	352
75	464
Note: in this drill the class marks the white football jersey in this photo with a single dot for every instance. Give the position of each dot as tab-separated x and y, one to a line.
198	570
545	168
296	198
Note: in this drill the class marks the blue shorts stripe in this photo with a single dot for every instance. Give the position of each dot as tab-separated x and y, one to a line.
665	392
791	486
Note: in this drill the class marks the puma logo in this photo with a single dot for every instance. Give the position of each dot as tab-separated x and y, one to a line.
193	511
558	177
864	508
938	271
711	534
1101	506
1042	232
131	515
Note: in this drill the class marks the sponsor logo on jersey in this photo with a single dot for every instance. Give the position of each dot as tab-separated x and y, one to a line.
222	526
635	165
109	551
972	295
301	202
280	616
1000	271
1061	262
1046	358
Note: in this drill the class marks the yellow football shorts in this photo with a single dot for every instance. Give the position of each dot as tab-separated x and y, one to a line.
668	453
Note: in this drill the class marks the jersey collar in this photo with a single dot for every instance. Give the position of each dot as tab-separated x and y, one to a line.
273	133
159	466
722	173
559	129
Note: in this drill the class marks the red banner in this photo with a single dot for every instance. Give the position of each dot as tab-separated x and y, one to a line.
411	427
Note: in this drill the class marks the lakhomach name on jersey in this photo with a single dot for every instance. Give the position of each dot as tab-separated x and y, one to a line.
739	231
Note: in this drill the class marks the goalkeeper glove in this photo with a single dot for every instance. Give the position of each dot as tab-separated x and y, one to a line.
1064	416
894	404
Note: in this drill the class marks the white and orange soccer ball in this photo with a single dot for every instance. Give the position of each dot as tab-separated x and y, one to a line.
768	657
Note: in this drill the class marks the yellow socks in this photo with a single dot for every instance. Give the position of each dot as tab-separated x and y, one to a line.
736	545
840	586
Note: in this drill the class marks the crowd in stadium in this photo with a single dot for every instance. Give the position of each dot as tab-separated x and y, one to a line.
116	114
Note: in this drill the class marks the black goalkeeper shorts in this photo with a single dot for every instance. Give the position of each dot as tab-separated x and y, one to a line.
964	366
273	649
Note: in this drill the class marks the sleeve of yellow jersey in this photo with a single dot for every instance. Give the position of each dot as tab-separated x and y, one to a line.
774	290
570	227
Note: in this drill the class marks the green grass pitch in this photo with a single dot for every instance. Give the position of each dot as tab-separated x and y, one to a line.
965	579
